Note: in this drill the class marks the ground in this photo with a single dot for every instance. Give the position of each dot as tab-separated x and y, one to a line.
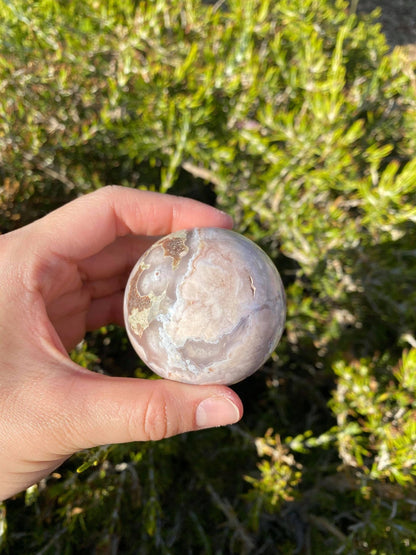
398	19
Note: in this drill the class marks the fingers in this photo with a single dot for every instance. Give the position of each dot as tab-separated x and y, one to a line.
117	258
73	315
118	410
88	224
104	311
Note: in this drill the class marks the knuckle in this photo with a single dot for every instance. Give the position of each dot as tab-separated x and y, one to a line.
157	423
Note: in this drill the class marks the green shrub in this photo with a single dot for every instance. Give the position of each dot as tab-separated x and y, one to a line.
293	116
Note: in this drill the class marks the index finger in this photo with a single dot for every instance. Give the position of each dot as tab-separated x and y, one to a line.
86	225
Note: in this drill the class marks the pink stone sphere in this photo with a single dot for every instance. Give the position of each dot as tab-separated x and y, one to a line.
204	306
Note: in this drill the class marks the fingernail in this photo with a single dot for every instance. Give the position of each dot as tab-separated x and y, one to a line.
229	219
216	411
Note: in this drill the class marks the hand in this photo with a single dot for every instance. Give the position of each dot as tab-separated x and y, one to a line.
59	277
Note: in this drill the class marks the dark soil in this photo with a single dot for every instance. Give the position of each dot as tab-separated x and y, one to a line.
398	19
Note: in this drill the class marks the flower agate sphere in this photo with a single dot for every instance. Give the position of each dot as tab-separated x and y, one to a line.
204	306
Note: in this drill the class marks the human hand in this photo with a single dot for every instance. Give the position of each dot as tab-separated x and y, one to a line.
60	277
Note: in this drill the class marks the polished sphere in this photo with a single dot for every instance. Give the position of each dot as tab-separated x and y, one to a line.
204	306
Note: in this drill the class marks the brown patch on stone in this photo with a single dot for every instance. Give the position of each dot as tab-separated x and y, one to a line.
138	307
175	247
141	302
134	297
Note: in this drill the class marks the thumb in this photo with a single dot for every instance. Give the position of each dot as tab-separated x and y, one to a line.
119	410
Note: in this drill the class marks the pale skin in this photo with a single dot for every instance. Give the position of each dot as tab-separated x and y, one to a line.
60	277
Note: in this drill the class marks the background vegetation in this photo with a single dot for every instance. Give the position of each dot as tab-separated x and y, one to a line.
293	116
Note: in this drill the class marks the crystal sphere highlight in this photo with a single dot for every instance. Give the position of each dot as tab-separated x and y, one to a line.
204	306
